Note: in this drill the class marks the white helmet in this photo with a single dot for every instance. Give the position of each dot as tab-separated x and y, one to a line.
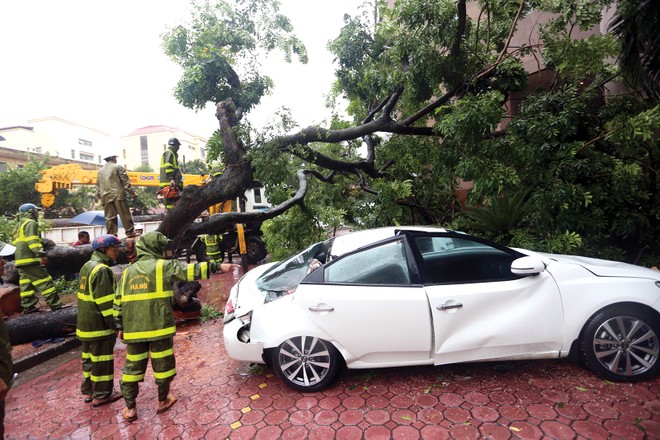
138	226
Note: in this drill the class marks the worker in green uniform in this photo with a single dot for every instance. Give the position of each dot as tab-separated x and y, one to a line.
143	315
6	363
112	188
31	260
170	174
96	329
213	250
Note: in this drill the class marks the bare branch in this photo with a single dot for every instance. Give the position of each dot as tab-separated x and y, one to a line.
512	30
429	108
460	31
219	222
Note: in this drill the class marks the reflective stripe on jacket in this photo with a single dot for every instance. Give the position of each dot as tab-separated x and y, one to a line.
95	298
143	302
169	169
212	243
27	241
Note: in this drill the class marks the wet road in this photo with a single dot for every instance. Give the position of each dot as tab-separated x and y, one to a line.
221	398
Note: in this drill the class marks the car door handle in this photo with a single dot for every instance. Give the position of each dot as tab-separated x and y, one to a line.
320	308
448	306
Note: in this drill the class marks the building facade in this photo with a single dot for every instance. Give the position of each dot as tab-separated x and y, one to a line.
58	138
145	146
67	141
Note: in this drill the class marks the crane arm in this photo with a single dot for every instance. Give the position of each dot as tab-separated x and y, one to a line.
66	176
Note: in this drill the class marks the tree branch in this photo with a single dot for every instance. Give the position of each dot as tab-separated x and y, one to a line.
222	221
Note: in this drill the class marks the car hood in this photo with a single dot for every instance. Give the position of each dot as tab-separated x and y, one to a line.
248	296
606	268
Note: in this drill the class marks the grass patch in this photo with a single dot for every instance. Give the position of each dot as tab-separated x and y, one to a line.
210	313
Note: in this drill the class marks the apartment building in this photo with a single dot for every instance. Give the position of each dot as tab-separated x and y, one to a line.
145	146
67	141
57	137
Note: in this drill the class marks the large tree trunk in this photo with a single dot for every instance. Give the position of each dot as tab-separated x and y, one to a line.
49	324
66	260
41	325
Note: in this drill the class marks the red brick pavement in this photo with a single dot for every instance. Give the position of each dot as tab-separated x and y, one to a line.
221	398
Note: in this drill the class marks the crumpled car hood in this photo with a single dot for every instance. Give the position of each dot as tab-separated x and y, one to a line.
249	296
606	268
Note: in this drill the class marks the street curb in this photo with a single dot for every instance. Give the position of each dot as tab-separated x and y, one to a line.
50	351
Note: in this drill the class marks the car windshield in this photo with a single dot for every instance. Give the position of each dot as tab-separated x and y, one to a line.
287	274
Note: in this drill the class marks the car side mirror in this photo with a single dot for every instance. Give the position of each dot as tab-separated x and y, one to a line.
527	266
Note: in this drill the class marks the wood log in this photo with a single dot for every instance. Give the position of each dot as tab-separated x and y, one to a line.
41	325
66	260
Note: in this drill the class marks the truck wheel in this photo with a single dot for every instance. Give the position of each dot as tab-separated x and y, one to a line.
256	249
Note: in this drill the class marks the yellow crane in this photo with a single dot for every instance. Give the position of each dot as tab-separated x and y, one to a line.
67	176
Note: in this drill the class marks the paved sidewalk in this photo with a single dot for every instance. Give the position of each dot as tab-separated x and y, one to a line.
221	398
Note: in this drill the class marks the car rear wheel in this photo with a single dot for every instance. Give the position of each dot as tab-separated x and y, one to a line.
622	343
306	363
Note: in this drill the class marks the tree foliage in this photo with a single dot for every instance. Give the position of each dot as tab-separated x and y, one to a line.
18	186
427	87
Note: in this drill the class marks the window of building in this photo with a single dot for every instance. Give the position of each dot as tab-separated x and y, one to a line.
73	153
144	150
86	156
3	167
85	142
257	195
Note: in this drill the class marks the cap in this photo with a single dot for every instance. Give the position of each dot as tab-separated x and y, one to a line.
6	249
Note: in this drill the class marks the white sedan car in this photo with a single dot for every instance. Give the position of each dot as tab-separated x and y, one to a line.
402	296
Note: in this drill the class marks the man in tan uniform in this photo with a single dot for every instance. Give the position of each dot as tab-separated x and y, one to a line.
112	184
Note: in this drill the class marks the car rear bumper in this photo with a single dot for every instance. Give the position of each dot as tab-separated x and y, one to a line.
233	334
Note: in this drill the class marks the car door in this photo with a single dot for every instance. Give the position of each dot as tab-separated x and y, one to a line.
366	302
480	309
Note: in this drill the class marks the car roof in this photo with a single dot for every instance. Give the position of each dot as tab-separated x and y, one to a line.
355	240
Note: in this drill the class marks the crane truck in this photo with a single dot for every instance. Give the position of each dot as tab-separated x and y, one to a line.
68	176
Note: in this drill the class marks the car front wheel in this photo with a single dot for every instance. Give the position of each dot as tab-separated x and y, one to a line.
622	343
306	363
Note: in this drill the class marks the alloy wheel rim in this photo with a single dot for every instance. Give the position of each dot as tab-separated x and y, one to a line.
626	345
304	360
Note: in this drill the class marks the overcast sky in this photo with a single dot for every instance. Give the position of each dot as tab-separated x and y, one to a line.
99	63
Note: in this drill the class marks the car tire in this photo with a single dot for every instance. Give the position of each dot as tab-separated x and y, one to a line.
306	363
622	343
256	249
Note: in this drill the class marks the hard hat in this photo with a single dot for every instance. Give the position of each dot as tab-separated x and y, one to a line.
111	153
28	207
105	240
174	142
139	226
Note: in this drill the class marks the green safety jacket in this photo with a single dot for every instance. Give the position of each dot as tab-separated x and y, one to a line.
212	243
143	301
169	169
27	240
96	294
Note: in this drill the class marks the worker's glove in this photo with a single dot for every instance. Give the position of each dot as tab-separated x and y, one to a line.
214	267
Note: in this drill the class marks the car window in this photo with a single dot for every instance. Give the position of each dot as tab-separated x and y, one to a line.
382	265
450	259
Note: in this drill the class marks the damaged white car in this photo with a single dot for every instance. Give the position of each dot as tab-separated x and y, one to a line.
403	296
